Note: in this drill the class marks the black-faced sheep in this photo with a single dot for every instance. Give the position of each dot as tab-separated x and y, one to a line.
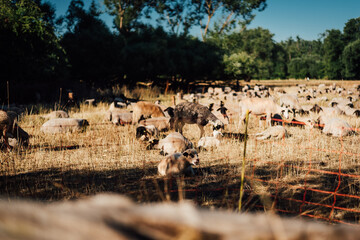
179	163
145	133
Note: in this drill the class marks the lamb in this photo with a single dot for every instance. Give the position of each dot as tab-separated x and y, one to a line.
179	163
174	142
193	113
147	110
335	126
144	133
210	142
290	101
161	123
260	106
276	132
61	125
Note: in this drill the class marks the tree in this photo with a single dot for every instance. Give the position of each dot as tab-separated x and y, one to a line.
92	50
232	12
240	66
333	47
30	50
128	12
351	60
352	30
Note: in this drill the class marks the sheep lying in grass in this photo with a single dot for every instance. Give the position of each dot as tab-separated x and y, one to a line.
145	133
210	142
161	123
173	143
276	132
193	113
335	126
146	110
61	125
179	163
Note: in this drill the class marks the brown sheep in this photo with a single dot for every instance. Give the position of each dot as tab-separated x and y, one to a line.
179	163
5	122
147	110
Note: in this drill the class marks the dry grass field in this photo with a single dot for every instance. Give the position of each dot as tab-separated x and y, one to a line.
295	176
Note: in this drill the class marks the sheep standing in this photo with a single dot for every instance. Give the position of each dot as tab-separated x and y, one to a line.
61	125
290	101
193	113
161	123
210	142
147	110
276	132
260	106
179	163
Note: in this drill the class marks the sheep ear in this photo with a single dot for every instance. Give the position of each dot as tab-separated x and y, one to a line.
185	154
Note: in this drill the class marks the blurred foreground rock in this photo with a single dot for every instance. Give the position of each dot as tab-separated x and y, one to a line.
116	217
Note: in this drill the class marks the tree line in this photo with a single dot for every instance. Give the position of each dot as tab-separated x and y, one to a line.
41	51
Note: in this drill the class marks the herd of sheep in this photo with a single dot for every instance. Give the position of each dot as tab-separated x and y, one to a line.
218	107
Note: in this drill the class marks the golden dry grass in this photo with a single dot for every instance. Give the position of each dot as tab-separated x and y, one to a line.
107	158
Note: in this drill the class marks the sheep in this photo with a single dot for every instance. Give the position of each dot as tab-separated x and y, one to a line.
120	118
276	132
179	163
174	142
147	110
56	114
193	113
161	123
144	133
290	101
260	106
210	142
328	111
5	127
60	125
335	126
20	137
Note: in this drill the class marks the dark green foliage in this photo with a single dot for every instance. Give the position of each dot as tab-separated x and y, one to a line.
30	52
351	59
333	47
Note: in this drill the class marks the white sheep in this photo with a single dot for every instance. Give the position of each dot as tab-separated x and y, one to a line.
120	117
260	106
210	142
335	126
290	101
172	143
276	132
179	163
61	125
